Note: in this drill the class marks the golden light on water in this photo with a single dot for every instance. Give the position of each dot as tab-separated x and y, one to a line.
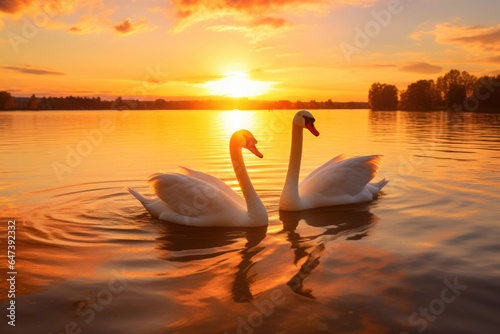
73	215
237	84
235	120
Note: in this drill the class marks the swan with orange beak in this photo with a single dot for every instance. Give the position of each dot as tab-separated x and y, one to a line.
338	181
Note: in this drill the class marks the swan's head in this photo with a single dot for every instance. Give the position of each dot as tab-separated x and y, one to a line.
305	119
244	138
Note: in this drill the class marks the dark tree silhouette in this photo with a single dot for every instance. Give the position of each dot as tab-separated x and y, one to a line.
7	101
421	95
488	93
161	104
403	100
119	104
383	97
455	77
33	103
469	81
456	95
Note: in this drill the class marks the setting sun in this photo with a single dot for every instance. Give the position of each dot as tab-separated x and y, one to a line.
237	84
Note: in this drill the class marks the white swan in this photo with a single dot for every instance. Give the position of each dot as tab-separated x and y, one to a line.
199	199
338	181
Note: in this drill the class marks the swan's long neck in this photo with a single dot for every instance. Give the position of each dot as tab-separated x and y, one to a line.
290	195
256	210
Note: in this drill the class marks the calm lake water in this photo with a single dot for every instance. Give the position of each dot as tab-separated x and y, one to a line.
423	258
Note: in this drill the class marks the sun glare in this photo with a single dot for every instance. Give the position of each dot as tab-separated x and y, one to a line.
235	120
237	84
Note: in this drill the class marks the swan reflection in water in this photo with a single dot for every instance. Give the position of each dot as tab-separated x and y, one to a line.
200	243
349	221
185	244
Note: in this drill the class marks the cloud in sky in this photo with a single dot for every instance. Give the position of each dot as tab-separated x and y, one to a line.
257	30
421	68
30	69
482	60
96	23
48	6
494	59
92	23
272	22
486	39
190	12
49	9
128	27
13	6
256	19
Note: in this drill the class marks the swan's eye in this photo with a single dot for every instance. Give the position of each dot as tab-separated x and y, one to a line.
309	120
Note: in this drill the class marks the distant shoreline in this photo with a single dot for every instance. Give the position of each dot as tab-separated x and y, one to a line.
9	102
481	110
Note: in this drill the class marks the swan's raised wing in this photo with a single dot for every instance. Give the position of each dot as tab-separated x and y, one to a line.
191	197
340	179
326	164
216	182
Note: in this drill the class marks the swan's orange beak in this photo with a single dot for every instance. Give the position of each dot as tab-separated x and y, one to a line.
310	127
254	150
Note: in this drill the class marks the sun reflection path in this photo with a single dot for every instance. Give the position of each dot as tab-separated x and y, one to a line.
235	120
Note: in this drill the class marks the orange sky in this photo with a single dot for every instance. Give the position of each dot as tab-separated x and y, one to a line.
282	49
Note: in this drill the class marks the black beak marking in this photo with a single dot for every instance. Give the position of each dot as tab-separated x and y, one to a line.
309	120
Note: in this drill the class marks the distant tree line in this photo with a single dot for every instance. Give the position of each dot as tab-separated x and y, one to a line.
455	90
8	102
325	105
